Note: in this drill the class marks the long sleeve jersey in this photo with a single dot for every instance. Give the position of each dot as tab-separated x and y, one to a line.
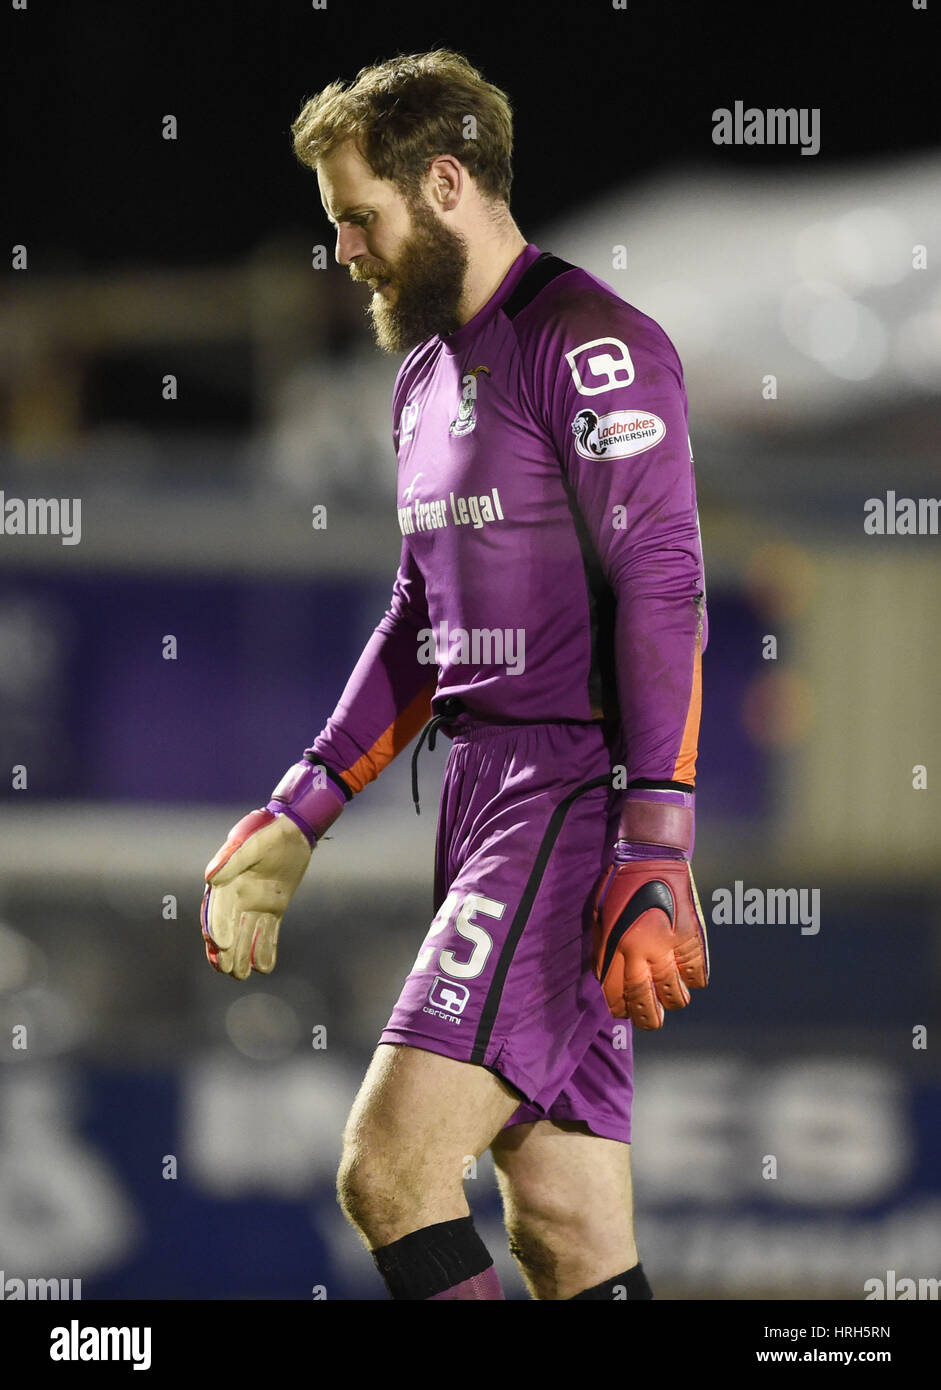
551	565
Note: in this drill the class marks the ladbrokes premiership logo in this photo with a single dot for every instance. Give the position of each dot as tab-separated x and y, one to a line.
618	435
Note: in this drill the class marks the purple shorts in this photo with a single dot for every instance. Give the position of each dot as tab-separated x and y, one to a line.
504	976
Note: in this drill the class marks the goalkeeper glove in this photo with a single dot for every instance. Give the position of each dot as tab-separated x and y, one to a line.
649	936
252	878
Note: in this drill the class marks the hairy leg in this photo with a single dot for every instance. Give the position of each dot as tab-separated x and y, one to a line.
568	1205
417	1118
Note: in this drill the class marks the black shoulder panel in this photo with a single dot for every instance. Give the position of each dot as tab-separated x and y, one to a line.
544	269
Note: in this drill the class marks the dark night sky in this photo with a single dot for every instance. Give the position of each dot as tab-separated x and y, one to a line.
599	95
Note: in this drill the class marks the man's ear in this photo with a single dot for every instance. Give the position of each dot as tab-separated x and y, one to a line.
445	182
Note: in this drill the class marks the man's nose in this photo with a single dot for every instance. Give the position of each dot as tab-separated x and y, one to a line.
350	243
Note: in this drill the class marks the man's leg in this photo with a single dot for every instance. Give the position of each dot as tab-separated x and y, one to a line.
416	1120
568	1208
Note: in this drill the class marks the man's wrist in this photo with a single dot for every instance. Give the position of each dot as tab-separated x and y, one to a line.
310	797
632	852
661	820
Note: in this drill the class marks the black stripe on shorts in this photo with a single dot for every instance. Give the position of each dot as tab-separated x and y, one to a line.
492	1002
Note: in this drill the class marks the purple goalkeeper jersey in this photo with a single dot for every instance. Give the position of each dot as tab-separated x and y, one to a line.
551	566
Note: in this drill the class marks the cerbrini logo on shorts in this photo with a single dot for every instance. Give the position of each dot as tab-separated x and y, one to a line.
618	435
448	995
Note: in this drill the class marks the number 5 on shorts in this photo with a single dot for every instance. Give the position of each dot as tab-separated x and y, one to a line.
466	927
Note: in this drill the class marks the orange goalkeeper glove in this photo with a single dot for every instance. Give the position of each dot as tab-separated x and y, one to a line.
649	936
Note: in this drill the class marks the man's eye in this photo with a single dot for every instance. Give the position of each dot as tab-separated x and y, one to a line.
359	219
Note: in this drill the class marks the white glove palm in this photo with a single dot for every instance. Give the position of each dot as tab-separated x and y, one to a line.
250	883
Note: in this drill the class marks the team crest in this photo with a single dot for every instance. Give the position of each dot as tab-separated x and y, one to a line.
619	435
467	410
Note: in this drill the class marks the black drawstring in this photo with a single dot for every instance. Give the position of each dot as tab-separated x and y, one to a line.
452	706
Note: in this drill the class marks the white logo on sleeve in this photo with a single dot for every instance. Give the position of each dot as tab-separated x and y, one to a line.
618	435
408	420
609	363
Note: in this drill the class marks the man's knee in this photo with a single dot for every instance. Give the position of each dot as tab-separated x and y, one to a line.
561	1231
562	1250
385	1188
352	1187
536	1249
374	1177
559	1177
416	1119
362	1186
545	1232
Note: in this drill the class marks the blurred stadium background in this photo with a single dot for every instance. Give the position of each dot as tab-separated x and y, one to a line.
192	257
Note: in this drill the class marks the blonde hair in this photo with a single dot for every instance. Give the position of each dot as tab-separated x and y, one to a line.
402	113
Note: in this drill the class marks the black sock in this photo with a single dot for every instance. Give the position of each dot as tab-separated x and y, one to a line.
629	1285
427	1262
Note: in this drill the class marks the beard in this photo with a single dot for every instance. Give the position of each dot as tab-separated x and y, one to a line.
427	281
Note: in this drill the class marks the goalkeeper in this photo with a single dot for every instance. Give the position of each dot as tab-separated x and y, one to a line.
548	617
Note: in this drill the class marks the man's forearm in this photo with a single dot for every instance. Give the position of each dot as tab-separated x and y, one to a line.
386	701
